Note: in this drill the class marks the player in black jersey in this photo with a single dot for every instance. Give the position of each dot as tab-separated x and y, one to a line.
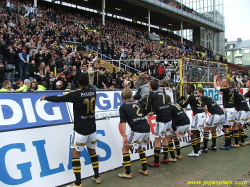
199	118
216	119
240	117
247	95
84	132
138	137
159	102
224	86
180	121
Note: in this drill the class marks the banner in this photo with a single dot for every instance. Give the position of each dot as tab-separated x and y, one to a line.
23	110
215	94
42	156
36	135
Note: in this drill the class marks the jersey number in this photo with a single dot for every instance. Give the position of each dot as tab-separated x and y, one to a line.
199	101
138	110
163	97
90	105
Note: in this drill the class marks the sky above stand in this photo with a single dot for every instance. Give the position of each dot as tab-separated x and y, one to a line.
237	19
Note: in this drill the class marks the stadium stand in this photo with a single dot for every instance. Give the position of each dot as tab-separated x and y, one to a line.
57	42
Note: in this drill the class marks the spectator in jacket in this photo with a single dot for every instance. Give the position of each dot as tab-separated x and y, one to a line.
25	87
23	64
11	62
3	70
6	86
160	72
60	83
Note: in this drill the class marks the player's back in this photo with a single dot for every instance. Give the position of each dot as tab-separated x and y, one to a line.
160	105
179	117
240	102
132	113
84	110
195	102
212	105
228	97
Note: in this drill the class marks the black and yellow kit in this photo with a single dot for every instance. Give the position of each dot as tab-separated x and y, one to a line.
179	117
84	101
195	102
228	97
239	101
212	106
247	94
131	112
159	103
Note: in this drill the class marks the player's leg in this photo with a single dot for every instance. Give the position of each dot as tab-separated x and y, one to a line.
201	123
177	147
194	143
236	126
236	134
214	137
247	124
165	150
182	130
225	129
225	125
241	131
157	151
165	138
78	143
226	146
143	160
231	119
194	130
160	127
126	162
171	149
142	154
91	146
199	141
205	139
211	124
76	165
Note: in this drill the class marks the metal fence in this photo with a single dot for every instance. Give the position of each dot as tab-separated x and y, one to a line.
200	73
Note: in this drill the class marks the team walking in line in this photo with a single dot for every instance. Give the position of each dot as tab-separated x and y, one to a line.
172	123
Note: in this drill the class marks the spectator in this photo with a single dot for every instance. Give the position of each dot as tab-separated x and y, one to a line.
160	72
42	86
6	86
23	64
34	85
60	83
3	70
25	87
141	80
11	62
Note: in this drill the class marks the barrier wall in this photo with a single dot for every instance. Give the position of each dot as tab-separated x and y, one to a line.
35	139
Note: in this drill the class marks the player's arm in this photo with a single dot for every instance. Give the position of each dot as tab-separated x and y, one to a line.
247	94
123	125
123	132
215	82
149	105
186	102
69	97
203	100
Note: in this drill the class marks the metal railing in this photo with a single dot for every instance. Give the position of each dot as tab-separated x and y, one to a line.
200	72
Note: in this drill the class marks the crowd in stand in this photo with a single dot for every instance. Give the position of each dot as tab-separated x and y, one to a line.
33	49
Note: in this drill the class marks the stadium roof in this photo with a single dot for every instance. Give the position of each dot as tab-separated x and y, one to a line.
138	10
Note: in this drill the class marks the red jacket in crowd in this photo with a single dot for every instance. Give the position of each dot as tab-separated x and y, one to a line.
160	71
